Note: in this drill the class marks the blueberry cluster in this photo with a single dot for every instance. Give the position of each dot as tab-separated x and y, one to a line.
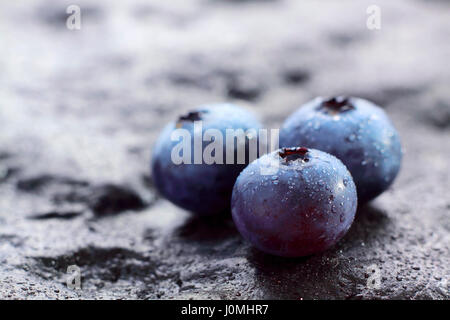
295	201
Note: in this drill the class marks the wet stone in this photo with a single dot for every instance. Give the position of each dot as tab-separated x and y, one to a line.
80	100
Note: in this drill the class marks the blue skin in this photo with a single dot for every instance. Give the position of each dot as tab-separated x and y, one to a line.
354	130
302	209
201	188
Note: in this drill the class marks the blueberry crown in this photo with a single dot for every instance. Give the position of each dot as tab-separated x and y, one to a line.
336	105
292	154
191	116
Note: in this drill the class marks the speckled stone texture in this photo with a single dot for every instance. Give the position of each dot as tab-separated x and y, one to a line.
80	110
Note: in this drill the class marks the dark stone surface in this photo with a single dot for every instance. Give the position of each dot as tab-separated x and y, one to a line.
113	199
79	111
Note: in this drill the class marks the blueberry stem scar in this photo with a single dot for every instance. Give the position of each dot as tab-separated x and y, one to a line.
337	104
191	116
291	154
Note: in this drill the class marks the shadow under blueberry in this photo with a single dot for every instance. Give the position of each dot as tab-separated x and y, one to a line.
215	237
329	274
370	222
301	278
207	229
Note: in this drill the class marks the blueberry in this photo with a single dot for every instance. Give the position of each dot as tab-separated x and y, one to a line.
203	187
302	208
354	130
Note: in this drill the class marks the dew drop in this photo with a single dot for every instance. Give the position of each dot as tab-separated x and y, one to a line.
345	181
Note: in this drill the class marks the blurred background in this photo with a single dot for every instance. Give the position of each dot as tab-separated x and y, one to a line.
81	108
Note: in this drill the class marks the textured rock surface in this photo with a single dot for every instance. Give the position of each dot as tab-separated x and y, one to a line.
79	111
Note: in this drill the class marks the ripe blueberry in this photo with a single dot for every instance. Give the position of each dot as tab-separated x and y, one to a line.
354	130
200	185
302	208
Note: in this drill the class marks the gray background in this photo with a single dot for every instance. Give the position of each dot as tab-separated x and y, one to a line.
79	111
